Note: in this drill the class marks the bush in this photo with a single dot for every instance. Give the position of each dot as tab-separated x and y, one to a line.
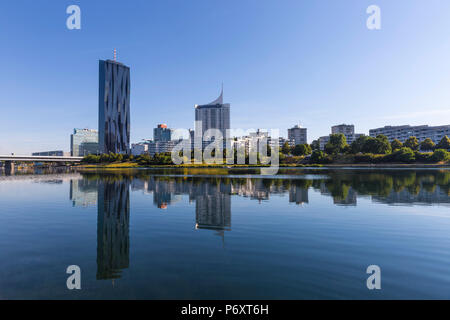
412	143
91	158
404	154
320	157
301	150
370	158
423	156
440	155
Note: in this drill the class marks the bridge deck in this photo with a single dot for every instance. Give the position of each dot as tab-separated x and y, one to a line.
40	158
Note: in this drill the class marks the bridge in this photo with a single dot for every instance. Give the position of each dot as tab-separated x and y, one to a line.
10	160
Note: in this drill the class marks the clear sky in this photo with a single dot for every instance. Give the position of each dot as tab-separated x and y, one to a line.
281	62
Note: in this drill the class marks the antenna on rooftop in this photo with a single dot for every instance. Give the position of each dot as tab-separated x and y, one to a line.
115	54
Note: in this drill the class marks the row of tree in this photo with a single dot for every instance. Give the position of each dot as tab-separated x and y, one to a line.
381	145
298	150
364	147
107	158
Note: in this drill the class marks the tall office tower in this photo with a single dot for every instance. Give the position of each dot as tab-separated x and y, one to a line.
114	107
83	142
298	135
162	133
214	115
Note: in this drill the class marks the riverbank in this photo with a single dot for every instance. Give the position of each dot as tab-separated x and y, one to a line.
133	165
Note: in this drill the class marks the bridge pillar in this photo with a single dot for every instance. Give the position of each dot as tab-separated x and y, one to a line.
9	167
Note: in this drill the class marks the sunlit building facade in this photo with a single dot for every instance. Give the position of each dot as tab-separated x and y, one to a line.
114	107
84	142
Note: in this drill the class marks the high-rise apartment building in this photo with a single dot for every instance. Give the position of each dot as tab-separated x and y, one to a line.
114	107
298	135
162	133
84	142
348	130
214	115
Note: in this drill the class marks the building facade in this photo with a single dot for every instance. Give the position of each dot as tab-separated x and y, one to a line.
56	153
139	148
114	107
84	142
348	130
214	115
162	133
402	133
298	135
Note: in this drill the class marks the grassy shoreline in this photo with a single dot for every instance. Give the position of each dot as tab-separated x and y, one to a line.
133	165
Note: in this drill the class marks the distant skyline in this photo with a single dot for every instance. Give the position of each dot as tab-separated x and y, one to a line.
282	63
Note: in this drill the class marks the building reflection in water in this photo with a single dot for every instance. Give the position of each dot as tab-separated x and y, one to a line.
113	223
213	208
212	197
83	192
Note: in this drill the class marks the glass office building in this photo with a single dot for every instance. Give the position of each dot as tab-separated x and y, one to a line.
84	142
114	107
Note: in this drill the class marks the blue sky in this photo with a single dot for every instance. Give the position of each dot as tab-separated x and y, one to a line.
281	62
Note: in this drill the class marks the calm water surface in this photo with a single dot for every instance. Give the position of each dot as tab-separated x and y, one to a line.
226	234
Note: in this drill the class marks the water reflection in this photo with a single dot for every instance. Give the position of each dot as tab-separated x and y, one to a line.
212	193
213	198
113	223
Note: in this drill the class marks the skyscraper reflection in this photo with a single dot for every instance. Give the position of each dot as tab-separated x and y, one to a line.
113	220
213	207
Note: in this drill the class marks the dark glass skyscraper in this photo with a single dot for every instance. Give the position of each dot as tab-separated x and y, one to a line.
114	107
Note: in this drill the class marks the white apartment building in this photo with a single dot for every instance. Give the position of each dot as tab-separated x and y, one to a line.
139	148
348	130
402	133
298	135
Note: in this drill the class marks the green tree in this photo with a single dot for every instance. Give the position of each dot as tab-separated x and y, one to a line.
358	144
315	145
383	145
336	144
440	155
318	157
396	144
378	145
301	150
104	158
412	143
91	158
427	145
286	148
444	143
404	154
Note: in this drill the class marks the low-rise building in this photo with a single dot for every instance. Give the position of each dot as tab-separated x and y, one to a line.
56	153
138	149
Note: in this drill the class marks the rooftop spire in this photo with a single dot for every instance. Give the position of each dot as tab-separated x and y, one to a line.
219	100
